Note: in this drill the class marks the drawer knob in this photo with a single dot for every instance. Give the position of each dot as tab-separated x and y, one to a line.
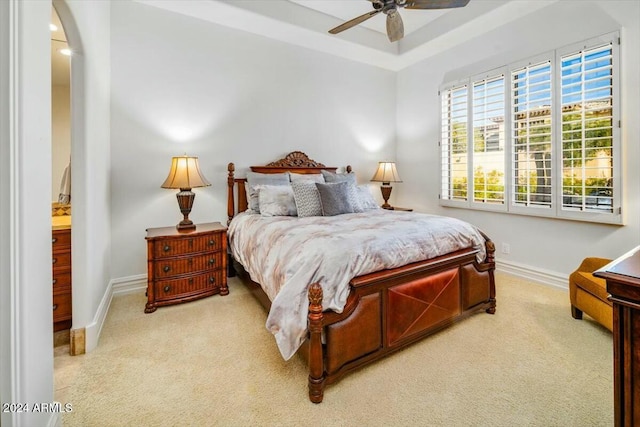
54	281
212	279
54	261
212	242
191	281
212	261
166	248
55	239
166	268
167	288
55	306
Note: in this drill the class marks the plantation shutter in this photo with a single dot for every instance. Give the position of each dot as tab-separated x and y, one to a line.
531	141
587	129
488	140
454	147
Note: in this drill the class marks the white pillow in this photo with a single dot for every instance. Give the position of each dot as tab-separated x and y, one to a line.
314	177
367	202
339	177
276	200
254	179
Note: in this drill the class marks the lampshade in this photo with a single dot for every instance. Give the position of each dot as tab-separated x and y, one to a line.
386	173
185	173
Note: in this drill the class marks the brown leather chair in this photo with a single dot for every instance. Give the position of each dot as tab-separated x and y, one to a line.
588	294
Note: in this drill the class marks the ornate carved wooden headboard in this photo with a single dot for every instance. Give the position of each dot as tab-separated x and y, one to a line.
296	161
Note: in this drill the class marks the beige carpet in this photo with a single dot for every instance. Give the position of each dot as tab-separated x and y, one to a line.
211	362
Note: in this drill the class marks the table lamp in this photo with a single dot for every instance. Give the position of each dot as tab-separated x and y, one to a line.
386	174
185	174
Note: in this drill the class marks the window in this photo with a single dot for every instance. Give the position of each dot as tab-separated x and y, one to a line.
488	140
531	138
544	136
587	129
454	143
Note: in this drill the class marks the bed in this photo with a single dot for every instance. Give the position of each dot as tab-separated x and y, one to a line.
379	312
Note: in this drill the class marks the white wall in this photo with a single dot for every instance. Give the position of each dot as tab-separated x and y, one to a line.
25	248
548	245
87	27
27	344
183	85
60	135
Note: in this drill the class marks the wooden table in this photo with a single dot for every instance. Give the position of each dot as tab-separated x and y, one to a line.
623	285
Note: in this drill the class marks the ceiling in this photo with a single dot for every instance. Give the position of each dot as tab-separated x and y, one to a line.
306	23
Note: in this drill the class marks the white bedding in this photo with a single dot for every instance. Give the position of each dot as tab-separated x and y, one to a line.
285	254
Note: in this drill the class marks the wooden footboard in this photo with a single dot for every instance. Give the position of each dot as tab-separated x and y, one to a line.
389	310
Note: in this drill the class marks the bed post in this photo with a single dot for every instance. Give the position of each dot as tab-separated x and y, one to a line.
490	259
230	205
316	365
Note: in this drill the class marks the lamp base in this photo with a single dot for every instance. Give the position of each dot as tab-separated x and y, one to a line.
187	225
185	200
386	193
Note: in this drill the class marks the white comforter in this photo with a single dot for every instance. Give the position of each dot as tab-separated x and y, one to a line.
286	254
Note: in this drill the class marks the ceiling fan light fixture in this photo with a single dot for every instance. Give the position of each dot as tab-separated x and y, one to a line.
395	27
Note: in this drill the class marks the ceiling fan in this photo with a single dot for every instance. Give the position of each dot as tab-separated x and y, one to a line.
395	28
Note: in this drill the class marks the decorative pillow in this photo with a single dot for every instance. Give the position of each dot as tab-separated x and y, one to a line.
254	179
276	200
367	202
339	177
315	177
338	198
307	198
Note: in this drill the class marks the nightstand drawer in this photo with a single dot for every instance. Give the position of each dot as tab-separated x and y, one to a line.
61	259
61	306
183	265
61	239
61	280
181	246
168	289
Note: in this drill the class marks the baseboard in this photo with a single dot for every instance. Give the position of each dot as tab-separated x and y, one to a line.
121	286
545	277
129	285
93	329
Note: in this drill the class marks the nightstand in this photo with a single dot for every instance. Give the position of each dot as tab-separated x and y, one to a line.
396	208
185	266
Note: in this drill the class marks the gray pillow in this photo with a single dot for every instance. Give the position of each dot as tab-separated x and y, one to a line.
338	198
307	198
254	179
338	177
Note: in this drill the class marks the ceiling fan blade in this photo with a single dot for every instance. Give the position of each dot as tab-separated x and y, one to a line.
354	21
395	27
434	4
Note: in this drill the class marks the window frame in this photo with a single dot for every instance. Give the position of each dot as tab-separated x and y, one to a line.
556	209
